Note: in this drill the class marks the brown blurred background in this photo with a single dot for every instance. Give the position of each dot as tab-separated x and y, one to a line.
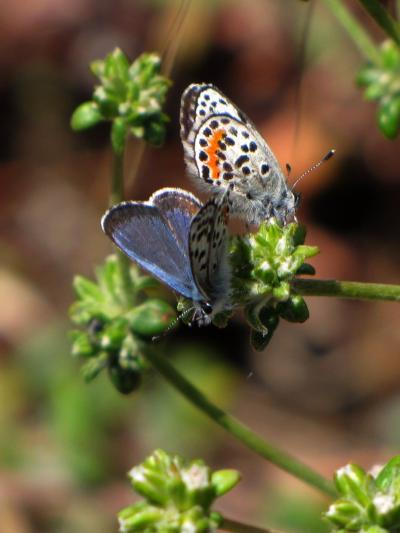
328	391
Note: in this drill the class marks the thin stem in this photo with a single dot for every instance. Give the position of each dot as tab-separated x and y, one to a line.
360	37
383	18
238	527
237	429
116	196
347	289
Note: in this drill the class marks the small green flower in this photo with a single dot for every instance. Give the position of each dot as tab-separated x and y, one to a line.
367	503
178	495
131	95
382	84
114	337
263	266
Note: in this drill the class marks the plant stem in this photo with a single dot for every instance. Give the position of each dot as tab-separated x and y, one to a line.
360	37
237	429
347	289
238	527
383	18
116	196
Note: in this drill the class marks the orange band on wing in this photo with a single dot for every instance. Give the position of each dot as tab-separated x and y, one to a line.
211	151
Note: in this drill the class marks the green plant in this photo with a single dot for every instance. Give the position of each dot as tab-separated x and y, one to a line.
120	313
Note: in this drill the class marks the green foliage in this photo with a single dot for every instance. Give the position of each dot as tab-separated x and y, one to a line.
382	84
263	266
115	337
367	504
131	95
178	495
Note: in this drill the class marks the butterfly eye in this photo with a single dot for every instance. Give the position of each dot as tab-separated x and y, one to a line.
207	308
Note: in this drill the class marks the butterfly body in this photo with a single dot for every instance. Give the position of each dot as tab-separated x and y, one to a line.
223	149
179	241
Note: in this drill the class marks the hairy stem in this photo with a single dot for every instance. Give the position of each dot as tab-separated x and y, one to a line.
116	196
238	430
239	527
383	18
347	289
355	30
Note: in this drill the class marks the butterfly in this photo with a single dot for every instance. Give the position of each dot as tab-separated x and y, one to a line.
223	149
181	242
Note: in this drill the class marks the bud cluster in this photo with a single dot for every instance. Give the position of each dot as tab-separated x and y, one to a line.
368	503
114	337
178	495
263	265
382	84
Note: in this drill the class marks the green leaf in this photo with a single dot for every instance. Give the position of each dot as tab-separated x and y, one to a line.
294	310
389	474
85	116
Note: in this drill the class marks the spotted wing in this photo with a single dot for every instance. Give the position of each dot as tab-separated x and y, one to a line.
220	143
208	247
178	208
142	232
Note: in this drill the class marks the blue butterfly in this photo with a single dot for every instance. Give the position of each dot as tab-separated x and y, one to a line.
181	242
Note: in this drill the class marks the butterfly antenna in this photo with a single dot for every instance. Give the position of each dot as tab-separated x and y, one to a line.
172	325
330	154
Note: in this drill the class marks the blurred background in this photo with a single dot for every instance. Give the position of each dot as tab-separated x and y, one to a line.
328	390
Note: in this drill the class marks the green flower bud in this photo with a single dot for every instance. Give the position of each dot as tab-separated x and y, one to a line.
138	517
151	318
389	116
85	116
224	480
390	55
93	367
345	514
353	482
294	310
125	380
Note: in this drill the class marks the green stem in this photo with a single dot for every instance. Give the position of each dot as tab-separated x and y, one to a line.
347	289
238	527
360	37
237	429
116	196
383	18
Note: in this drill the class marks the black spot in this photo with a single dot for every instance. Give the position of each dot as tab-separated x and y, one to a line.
229	141
228	167
205	172
214	124
214	103
214	245
203	142
248	196
196	253
202	112
245	134
264	168
209	180
244	148
246	171
206	97
221	155
203	267
234	131
222	145
203	156
222	101
207	132
227	175
240	160
253	146
225	120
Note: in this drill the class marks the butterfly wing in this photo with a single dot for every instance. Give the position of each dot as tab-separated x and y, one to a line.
221	143
178	208
208	248
141	231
